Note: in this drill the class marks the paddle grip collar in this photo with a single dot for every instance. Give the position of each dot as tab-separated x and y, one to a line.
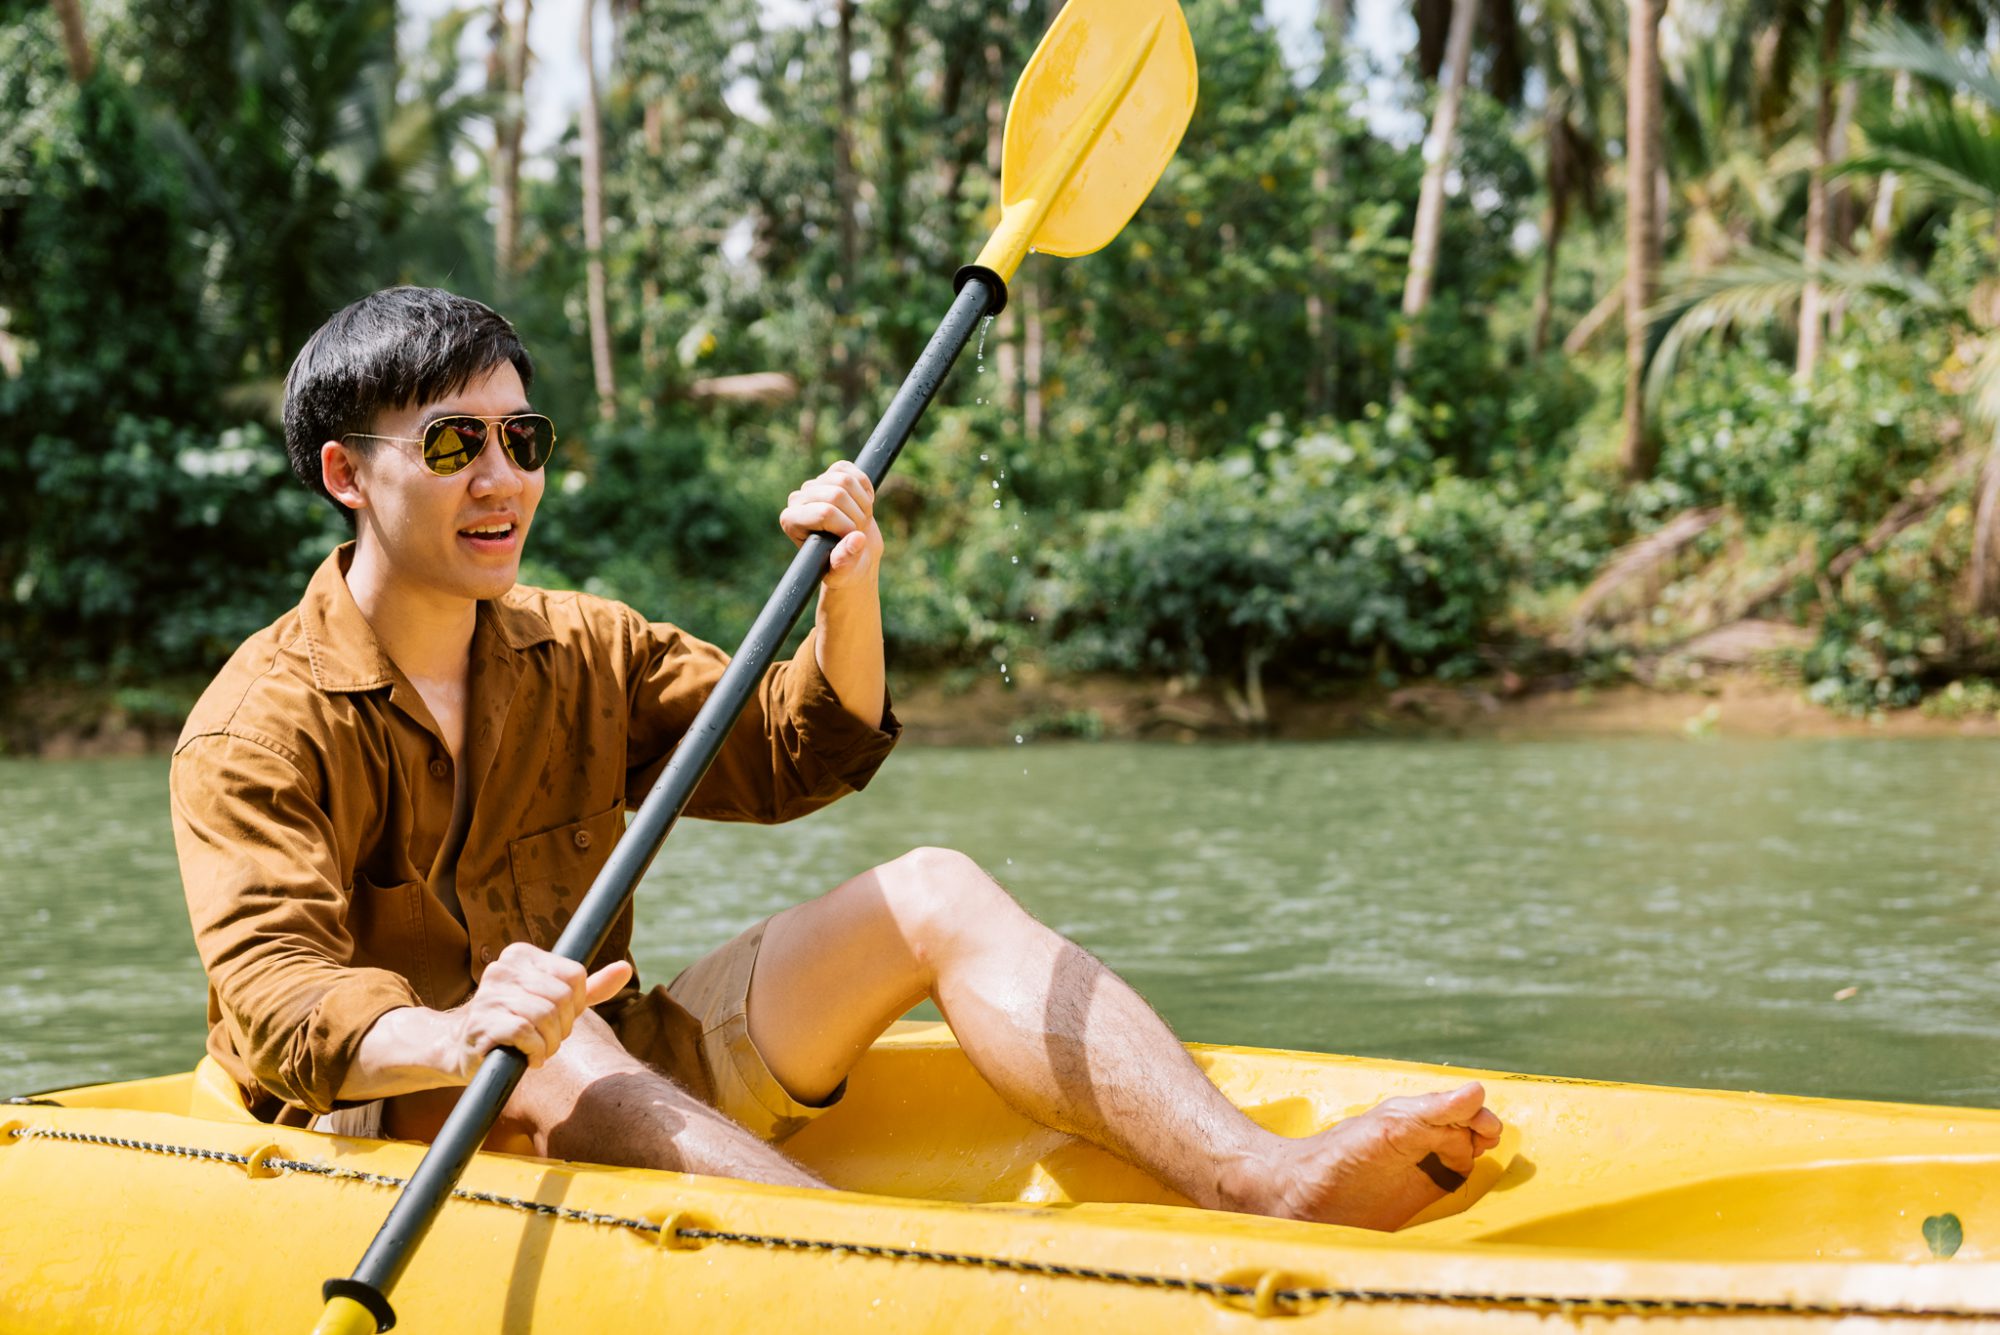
995	285
364	1293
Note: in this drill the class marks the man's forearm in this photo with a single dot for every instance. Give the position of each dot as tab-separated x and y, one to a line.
406	1050
849	648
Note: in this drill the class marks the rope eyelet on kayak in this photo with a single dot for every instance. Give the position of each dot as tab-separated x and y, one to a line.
257	1163
680	1231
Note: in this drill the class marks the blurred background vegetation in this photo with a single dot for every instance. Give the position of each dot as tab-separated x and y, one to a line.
1665	340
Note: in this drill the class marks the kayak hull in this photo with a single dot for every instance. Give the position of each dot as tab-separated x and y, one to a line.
157	1204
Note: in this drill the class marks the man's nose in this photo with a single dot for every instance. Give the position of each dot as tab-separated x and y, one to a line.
493	473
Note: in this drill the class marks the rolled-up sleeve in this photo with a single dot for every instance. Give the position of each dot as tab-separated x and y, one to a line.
794	748
270	911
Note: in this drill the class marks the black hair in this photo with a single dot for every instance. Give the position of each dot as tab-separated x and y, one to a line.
393	348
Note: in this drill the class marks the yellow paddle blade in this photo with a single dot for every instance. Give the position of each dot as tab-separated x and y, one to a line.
1097	114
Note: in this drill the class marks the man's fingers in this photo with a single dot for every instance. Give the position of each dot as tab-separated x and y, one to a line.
605	983
815	517
840	498
525	1039
548	1021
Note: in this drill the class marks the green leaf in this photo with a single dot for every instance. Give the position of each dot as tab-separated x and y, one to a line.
1944	1233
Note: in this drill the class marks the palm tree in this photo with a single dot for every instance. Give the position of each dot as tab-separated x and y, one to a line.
593	223
1439	145
507	78
1642	225
1322	296
1573	51
1812	306
1947	148
306	185
76	39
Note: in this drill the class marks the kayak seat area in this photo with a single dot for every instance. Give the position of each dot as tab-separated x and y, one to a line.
213	1096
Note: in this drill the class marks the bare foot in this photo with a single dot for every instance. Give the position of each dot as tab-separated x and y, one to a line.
1378	1169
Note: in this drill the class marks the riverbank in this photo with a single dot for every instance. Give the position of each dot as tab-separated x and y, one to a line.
957	709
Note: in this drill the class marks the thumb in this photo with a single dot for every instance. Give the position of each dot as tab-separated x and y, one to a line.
604	984
843	553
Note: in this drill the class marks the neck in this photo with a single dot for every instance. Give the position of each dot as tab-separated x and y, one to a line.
426	632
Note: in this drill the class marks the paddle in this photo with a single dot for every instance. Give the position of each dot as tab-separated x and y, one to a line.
1097	114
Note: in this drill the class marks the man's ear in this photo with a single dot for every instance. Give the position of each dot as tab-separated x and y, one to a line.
339	470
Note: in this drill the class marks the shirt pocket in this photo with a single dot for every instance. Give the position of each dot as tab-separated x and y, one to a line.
553	871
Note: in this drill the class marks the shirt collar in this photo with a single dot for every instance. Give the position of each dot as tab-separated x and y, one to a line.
342	646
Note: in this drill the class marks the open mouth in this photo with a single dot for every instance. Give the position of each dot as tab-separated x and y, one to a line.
493	537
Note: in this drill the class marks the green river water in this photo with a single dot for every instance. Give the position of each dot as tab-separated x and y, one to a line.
1650	910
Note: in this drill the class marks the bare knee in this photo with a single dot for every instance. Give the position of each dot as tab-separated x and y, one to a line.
941	898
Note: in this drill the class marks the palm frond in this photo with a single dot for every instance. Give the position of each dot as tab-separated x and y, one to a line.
1896	45
1982	390
1755	288
1942	149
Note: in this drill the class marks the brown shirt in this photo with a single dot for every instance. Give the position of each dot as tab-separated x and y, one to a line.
312	796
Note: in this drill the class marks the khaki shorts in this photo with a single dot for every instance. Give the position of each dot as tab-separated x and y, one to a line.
714	990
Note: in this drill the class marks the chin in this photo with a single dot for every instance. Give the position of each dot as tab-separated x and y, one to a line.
493	584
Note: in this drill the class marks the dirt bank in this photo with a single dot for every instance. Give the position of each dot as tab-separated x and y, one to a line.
955	708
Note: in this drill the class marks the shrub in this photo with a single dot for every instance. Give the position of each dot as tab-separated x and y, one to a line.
1335	553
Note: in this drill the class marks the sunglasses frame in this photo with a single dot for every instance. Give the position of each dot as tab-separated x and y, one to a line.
437	426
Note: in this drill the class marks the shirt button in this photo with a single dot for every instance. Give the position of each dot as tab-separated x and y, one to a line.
583	838
439	769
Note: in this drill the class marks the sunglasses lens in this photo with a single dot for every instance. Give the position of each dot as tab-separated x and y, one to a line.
530	439
450	443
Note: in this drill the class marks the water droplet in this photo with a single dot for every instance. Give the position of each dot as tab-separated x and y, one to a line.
982	458
996	486
1031	616
1010	861
996	505
1014	560
979	400
1003	473
1003	669
1019	740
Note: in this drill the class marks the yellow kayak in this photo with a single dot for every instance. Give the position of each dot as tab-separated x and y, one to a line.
161	1205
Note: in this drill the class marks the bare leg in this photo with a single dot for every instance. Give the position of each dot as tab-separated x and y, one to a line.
595	1101
1069	1044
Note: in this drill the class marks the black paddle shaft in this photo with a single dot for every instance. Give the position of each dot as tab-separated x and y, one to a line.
479	1107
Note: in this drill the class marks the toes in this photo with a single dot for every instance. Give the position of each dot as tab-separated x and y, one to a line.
1456	1153
1457	1107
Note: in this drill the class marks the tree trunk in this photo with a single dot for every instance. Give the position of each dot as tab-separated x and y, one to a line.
1322	294
655	137
512	41
1986	537
1035	290
1812	304
846	370
1884	217
1639	453
1594	320
76	41
1438	146
1553	219
593	226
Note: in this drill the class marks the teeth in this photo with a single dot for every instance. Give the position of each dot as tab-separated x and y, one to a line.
496	530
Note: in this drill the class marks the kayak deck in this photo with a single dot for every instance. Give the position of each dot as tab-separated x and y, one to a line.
1611	1202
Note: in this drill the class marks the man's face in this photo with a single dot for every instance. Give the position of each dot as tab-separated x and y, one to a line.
424	525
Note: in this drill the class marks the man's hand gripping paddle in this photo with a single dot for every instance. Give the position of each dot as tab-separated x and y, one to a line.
1095	118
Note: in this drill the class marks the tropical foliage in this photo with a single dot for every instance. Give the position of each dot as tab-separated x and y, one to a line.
1297	424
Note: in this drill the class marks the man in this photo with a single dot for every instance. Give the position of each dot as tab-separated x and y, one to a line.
390	801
